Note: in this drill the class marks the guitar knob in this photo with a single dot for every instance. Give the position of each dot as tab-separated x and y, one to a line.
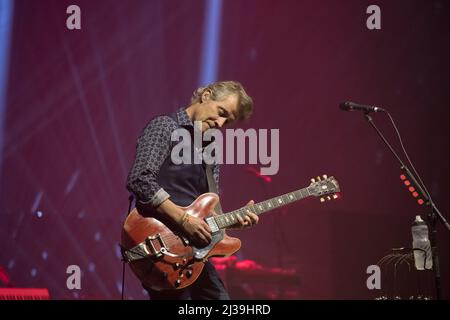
177	283
189	273
177	266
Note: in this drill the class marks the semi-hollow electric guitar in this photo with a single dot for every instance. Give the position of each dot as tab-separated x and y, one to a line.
163	259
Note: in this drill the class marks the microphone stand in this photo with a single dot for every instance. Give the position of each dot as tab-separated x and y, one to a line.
433	214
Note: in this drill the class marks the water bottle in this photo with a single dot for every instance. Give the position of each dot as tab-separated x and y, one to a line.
422	258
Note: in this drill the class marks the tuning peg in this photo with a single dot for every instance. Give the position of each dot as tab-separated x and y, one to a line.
325	176
318	178
335	196
328	198
322	199
313	180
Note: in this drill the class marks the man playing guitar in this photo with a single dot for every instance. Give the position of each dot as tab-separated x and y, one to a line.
161	187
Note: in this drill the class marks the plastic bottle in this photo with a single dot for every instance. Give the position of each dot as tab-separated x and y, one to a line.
422	257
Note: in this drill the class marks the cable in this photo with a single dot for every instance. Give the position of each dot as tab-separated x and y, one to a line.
130	199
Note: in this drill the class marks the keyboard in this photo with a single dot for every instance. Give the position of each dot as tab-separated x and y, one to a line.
24	294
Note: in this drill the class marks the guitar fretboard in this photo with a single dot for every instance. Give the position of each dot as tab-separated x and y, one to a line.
228	219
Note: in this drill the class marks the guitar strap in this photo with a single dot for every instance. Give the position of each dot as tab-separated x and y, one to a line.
213	187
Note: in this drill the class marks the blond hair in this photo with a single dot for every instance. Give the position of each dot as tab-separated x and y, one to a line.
221	89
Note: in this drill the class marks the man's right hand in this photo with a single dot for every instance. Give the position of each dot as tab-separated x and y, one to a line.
197	231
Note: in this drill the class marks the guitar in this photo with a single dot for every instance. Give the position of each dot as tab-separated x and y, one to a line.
164	260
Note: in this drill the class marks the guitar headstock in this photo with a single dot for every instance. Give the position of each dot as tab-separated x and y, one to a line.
324	187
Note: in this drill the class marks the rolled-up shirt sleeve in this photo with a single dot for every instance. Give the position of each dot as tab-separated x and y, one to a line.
153	147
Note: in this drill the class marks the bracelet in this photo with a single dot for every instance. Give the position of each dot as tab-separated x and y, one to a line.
184	219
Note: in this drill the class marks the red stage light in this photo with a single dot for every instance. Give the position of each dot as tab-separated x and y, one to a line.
411	189
402	177
407	183
415	194
420	201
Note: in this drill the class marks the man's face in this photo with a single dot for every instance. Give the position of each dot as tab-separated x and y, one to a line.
214	114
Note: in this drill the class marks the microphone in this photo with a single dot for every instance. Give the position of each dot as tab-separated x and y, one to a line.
351	106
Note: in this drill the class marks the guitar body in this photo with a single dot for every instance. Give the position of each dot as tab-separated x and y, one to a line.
165	259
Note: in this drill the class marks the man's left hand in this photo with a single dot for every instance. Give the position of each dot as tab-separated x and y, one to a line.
249	219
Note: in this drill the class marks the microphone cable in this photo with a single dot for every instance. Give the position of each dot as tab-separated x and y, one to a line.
408	158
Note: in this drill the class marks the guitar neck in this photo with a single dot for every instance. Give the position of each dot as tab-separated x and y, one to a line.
228	219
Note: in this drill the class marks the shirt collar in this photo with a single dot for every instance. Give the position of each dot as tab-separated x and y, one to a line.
183	118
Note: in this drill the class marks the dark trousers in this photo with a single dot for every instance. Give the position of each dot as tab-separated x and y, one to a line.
208	286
